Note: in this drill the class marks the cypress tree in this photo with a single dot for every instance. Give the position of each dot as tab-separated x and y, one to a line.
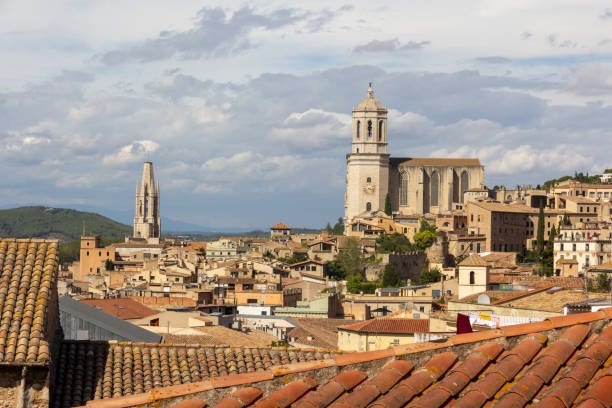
540	236
388	210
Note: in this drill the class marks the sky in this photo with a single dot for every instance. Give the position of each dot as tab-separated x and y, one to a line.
245	107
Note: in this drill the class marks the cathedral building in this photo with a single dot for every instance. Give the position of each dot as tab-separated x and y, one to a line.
147	223
414	185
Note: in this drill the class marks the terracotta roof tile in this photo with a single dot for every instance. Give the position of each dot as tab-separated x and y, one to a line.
121	307
28	279
389	326
572	369
474	260
113	369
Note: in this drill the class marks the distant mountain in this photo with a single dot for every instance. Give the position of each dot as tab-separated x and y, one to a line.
61	223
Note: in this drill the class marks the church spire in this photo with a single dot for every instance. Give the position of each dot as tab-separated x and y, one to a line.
147	220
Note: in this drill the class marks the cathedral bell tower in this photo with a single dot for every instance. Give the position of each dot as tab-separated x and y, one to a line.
367	176
147	223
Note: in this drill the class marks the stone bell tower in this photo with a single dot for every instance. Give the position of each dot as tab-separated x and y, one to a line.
147	223
367	176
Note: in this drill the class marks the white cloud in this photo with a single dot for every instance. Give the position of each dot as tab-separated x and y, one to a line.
312	130
136	151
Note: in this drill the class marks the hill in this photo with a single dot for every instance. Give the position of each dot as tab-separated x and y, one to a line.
61	223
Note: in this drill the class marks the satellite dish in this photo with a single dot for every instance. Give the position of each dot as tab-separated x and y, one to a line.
484	299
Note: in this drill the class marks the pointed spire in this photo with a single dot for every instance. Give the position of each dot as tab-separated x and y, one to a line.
370	91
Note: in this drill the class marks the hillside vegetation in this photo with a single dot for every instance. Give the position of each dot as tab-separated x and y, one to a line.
60	223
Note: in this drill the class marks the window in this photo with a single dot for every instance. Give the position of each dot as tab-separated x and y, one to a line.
435	186
471	277
403	189
422	309
587	247
358	130
573	247
87	253
478	247
99	253
471	246
369	180
472	217
369	129
586	261
380	130
561	247
357	150
368	206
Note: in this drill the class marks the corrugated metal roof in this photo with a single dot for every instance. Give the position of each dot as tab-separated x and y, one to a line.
106	321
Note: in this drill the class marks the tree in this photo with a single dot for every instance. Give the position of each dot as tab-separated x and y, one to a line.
603	283
388	209
108	265
539	249
390	278
296	257
566	221
334	270
328	228
393	243
430	275
353	283
350	258
338	227
426	236
547	255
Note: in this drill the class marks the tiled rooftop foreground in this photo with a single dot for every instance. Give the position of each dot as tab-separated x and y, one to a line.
28	271
560	362
93	370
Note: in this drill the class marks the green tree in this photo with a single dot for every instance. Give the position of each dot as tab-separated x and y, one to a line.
334	270
426	236
430	275
390	278
603	283
393	243
108	265
353	283
566	221
388	209
296	257
350	257
338	228
539	249
328	228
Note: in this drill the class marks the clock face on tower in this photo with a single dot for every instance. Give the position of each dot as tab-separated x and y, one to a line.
369	188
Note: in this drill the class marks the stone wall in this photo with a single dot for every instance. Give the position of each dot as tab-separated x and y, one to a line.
407	266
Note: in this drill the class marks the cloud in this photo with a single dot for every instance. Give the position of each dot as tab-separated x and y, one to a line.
493	60
593	79
606	14
312	130
389	46
216	34
133	152
553	41
525	35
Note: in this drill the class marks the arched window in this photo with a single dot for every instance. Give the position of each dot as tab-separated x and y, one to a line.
369	180
369	129
465	182
403	189
380	130
471	277
358	129
368	206
435	186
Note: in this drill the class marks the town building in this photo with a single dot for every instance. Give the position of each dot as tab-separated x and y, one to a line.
413	185
580	247
380	334
227	248
280	232
473	276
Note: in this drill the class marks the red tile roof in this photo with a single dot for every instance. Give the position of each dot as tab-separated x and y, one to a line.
28	281
389	326
546	368
280	226
121	307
